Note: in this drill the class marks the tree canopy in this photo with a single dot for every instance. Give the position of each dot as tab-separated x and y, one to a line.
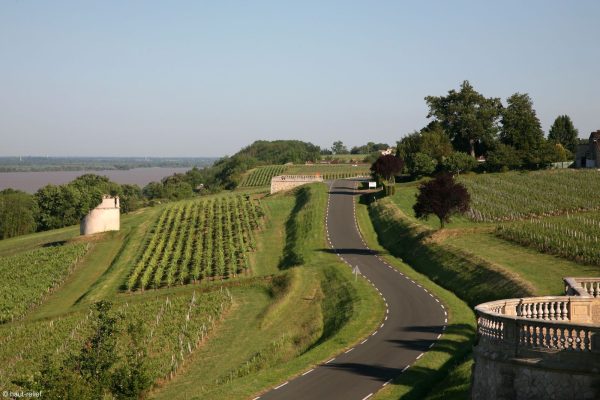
387	167
443	197
467	117
563	132
521	127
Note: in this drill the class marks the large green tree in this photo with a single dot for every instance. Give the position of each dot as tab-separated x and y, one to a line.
521	127
467	117
563	132
339	148
18	212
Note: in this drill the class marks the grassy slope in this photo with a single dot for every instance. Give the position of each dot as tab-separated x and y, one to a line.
258	345
543	273
451	350
470	260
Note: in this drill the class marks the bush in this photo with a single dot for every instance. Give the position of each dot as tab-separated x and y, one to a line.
459	162
421	165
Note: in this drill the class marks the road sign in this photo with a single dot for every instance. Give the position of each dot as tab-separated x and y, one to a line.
372	185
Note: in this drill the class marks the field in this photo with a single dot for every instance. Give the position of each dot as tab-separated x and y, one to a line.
514	195
42	269
174	327
261	176
573	236
497	251
197	240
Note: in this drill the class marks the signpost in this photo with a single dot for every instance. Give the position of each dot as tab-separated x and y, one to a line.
372	185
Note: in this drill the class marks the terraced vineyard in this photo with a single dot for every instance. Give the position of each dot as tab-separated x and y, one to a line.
514	196
42	269
575	237
175	326
197	240
261	176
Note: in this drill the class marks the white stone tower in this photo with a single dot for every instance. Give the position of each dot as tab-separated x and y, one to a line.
105	217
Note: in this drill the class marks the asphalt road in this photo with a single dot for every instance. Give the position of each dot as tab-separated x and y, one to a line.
414	319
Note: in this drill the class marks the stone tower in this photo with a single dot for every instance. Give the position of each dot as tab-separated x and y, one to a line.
105	217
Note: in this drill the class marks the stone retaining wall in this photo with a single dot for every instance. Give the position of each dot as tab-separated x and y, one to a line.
287	182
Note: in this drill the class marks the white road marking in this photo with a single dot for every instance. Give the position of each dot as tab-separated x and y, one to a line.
374	333
282	385
348	351
364	341
405	368
386	383
330	360
386	318
446	321
439	336
420	355
308	372
256	398
381	326
367	396
437	300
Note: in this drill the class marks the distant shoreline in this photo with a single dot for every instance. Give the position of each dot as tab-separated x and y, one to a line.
31	181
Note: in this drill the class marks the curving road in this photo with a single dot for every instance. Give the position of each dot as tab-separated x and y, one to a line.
414	319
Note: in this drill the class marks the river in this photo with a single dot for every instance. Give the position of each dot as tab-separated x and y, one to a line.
31	181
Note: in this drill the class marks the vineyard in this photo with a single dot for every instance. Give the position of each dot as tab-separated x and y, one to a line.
261	176
575	237
197	240
25	279
514	196
175	326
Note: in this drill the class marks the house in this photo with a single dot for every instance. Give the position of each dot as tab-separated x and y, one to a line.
588	155
387	151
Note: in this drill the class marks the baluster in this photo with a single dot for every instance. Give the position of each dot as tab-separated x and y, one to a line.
552	311
534	336
559	313
562	340
545	311
565	311
554	339
587	341
528	310
534	310
547	337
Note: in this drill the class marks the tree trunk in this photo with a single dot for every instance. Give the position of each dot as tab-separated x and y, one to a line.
441	222
472	147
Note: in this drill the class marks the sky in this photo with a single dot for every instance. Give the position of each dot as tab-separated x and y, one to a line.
200	78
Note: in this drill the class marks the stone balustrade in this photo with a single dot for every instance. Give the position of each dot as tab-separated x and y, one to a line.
582	287
540	347
560	323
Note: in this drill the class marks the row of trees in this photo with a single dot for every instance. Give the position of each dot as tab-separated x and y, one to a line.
467	123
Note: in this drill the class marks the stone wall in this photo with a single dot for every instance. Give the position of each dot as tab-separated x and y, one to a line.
498	377
540	347
105	217
287	182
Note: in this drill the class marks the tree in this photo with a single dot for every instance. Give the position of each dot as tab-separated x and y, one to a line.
387	167
466	116
521	127
18	212
563	132
420	164
503	158
435	142
459	162
339	148
443	197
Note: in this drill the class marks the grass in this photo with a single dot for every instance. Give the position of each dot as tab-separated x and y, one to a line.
543	271
451	350
259	345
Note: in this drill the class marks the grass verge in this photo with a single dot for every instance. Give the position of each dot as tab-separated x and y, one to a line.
450	351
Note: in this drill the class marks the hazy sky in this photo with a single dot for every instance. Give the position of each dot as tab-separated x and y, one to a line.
206	78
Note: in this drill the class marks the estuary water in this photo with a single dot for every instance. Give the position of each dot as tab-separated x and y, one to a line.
31	181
